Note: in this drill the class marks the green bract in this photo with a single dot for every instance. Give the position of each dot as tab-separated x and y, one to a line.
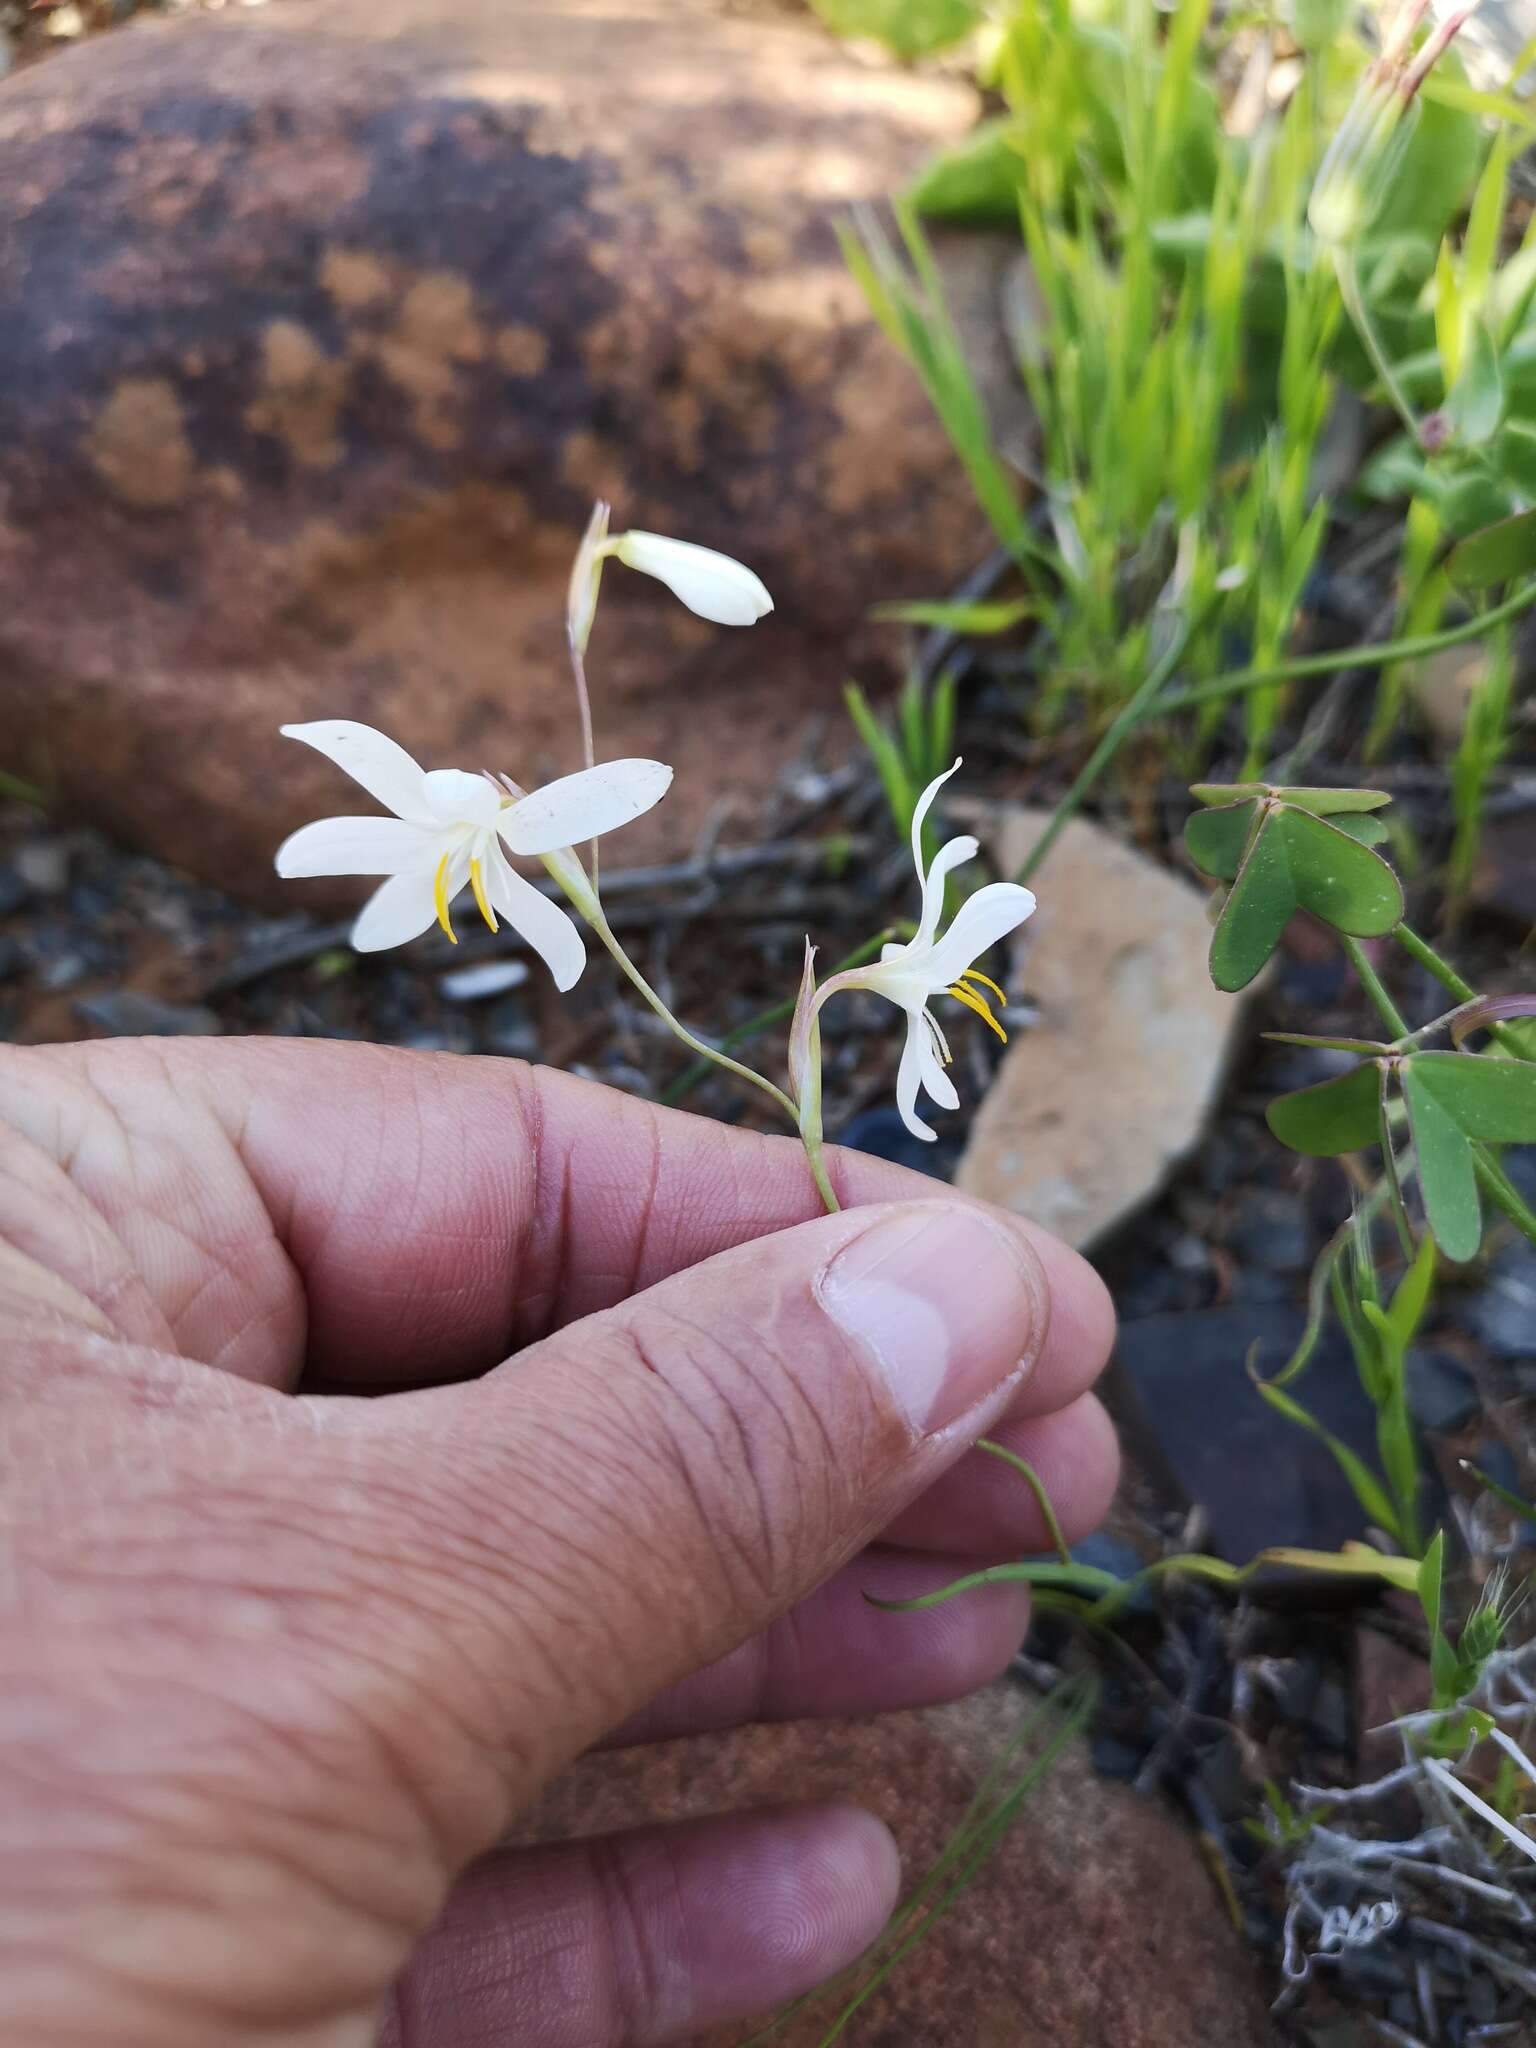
1285	850
1453	1100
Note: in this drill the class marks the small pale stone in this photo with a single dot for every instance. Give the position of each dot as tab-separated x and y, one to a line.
485	978
1112	1085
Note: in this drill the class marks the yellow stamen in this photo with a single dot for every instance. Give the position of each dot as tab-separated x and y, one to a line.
972	1001
478	885
975	974
440	897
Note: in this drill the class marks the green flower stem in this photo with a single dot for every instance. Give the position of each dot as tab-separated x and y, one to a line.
818	1166
601	926
754	1027
1371	982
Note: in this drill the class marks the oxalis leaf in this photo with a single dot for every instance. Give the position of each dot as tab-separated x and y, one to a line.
1341	1115
1294	860
1322	803
1453	1099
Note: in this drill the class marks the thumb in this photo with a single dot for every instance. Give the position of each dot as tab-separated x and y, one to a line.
644	1490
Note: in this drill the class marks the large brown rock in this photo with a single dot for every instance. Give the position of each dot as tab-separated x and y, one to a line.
321	327
1094	1925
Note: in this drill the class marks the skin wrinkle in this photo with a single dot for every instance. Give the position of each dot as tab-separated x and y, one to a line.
454	1575
644	1999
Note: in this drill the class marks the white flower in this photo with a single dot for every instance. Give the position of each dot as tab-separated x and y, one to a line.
450	828
719	589
929	965
709	583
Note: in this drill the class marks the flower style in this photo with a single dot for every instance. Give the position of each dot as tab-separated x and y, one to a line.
450	829
925	965
715	586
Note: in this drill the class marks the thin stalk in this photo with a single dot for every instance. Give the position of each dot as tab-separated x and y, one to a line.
600	925
1455	984
1420	950
754	1027
824	1187
1503	1193
588	747
1371	982
1375	655
1354	304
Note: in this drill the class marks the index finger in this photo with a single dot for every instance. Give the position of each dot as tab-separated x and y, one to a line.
441	1211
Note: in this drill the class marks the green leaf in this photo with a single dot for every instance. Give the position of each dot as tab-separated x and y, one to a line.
1369	831
1476	404
1412	1296
1468	500
1368	1489
1338	879
957	618
1224	793
1331	803
1216	839
1486	1097
1447	1172
1513	455
978	180
907	28
1318	24
1430	1589
1256	911
1335	1116
1498	554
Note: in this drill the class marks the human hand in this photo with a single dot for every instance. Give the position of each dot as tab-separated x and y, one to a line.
280	1662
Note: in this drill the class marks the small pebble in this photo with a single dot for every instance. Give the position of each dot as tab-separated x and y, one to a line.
43	865
1441	1392
1274	1230
1503	1312
486	978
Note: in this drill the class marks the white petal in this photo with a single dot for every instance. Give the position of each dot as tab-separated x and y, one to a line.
457	798
543	924
586	575
578	807
952	854
402	909
909	1077
385	770
354	846
980	922
919	816
709	583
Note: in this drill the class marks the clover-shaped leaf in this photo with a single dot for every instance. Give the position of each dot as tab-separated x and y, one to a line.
1285	850
1341	1115
1453	1100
